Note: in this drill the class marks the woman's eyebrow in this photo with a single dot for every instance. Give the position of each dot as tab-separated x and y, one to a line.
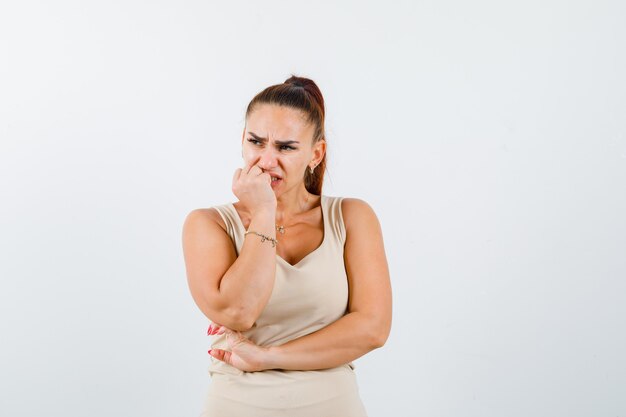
279	142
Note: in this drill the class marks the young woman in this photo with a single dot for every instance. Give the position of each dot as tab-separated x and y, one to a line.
295	283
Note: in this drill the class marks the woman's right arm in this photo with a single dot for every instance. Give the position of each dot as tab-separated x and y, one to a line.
230	290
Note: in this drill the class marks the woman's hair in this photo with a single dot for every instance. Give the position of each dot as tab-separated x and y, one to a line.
301	94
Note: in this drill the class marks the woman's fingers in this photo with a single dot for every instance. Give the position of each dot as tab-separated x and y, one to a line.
237	174
215	329
250	166
245	170
221	354
241	353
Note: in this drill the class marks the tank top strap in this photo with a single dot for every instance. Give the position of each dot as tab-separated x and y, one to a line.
334	220
234	228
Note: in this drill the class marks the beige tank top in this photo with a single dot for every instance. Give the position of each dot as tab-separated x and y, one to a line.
306	296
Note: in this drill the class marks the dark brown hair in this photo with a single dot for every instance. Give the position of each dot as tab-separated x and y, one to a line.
301	94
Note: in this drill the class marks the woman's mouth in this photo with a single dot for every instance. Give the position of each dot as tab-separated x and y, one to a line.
276	181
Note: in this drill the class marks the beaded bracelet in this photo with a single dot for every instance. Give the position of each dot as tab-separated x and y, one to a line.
263	237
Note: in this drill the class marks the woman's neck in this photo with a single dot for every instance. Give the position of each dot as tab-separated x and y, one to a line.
290	205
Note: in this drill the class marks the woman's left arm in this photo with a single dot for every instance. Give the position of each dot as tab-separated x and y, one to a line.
364	328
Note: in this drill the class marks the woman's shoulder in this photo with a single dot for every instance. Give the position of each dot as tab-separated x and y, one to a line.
207	214
353	203
356	211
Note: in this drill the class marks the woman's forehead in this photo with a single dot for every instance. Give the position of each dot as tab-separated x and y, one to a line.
278	122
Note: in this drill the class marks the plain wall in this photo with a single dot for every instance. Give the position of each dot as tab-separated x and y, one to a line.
488	136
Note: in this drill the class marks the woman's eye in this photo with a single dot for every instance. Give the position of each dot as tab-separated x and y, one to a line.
285	147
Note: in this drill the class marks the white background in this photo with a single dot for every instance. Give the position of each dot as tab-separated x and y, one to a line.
488	136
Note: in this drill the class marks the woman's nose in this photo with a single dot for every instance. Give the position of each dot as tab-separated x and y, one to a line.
267	158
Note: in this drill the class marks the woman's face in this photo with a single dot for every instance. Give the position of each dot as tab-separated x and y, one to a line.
278	140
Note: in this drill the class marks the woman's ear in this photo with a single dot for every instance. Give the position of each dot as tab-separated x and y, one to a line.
319	151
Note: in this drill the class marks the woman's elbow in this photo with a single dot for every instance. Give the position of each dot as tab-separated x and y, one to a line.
378	340
232	318
379	336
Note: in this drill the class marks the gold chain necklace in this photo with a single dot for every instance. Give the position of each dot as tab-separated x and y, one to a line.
281	229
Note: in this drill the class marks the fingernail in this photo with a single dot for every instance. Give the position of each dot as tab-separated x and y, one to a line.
210	351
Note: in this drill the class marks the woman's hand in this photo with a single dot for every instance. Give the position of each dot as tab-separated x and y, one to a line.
253	188
243	354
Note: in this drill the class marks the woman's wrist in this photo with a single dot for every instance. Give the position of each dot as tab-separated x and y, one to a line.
272	357
264	212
